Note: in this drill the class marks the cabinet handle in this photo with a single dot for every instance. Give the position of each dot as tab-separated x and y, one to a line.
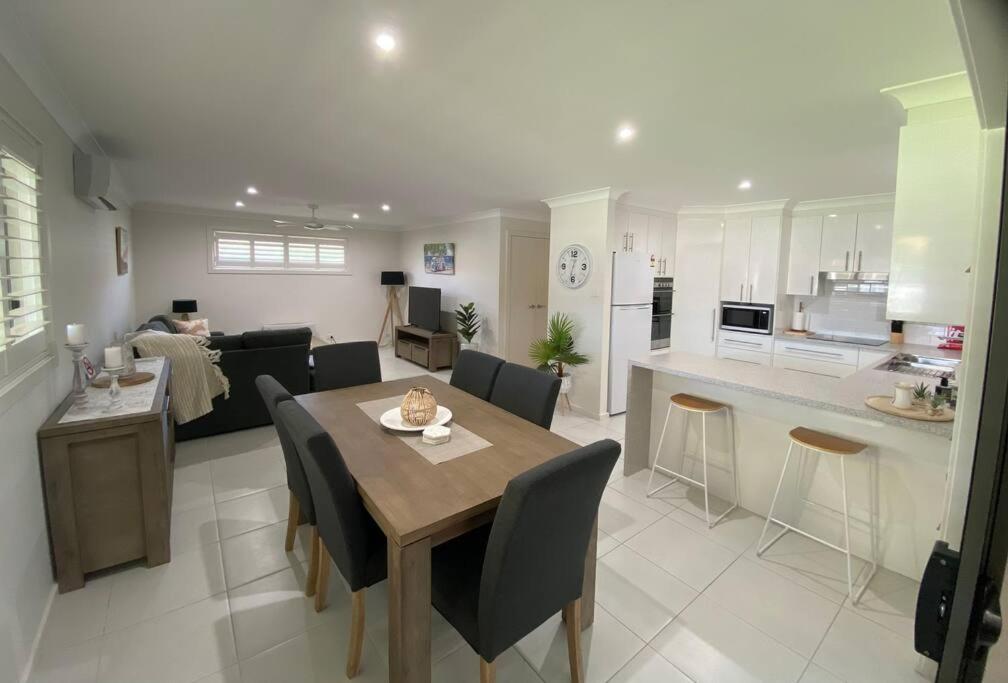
817	353
626	236
846	261
713	322
859	255
750	292
631	241
740	288
531	305
811	284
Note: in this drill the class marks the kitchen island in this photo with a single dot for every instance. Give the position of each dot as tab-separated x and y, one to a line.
912	456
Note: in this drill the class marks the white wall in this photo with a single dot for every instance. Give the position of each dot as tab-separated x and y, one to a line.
477	271
83	287
170	251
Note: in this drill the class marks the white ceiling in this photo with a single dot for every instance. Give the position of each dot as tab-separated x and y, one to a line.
491	104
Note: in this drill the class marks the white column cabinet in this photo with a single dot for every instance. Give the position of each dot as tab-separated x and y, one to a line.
695	298
803	257
735	259
874	242
764	257
839	234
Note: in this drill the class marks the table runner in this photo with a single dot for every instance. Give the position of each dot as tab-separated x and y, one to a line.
135	399
462	440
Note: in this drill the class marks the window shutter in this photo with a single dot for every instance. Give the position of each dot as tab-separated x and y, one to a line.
241	251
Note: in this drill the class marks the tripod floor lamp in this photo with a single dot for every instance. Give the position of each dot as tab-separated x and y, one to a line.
393	279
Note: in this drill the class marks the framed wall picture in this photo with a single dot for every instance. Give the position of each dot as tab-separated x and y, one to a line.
122	250
439	258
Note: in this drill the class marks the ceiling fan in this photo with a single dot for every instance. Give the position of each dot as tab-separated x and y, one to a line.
314	223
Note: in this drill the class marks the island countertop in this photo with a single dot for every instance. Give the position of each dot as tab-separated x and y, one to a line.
845	395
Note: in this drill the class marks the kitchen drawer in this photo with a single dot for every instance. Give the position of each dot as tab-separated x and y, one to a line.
847	355
869	359
745	356
404	349
816	367
742	341
419	354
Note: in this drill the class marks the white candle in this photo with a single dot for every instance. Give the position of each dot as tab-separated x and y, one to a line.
113	357
76	333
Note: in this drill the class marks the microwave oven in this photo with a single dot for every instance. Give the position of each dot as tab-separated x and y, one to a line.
754	318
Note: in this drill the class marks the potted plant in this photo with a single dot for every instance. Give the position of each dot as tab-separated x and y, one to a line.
468	323
555	352
921	394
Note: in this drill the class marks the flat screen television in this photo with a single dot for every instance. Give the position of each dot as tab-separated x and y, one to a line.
425	308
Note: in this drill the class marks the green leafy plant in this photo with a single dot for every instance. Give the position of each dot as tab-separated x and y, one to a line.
467	321
921	392
937	402
556	349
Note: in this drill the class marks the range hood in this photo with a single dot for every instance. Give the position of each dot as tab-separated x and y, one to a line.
855	276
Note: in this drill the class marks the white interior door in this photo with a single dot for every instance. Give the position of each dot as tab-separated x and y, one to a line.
697	276
528	284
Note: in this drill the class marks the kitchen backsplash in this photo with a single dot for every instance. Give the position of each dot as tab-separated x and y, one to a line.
859	308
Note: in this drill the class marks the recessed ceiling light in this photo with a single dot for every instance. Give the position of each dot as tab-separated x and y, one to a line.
386	208
831	215
239	203
745	185
251	189
356	216
385	41
625	133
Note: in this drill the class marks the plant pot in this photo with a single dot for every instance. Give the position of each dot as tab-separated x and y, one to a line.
468	346
565	383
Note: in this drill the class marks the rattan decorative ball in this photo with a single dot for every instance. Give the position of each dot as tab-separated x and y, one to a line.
418	406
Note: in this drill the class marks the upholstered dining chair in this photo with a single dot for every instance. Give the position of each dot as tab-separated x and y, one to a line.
300	506
347	534
527	393
346	365
496	584
474	373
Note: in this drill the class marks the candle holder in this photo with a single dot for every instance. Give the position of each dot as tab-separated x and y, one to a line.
114	392
80	398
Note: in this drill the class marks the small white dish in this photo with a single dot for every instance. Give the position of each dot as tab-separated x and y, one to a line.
392	419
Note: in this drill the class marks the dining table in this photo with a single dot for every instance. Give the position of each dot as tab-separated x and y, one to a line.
420	503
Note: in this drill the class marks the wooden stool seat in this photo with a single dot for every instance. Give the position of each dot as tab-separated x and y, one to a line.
825	443
696	404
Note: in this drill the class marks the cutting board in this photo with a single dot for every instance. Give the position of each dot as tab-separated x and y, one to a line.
103	381
884	404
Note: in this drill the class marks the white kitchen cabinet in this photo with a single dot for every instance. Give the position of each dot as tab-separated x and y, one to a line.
764	258
636	239
735	259
746	347
803	257
665	256
820	359
654	243
839	234
868	358
874	242
695	302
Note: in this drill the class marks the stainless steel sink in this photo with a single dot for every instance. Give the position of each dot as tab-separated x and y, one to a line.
923	366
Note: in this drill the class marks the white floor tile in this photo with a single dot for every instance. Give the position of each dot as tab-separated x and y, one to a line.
708	643
77	663
192	487
274	609
816	674
606	647
316	656
252	512
462	666
244	473
617	470
691	500
890	600
184	645
790	614
142	592
737	532
260	552
638	593
192	528
622	517
605	543
636	486
649	667
232	674
683	553
78	615
444	638
856	649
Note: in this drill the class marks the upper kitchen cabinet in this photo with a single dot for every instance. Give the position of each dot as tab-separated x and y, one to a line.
749	260
936	215
650	232
665	258
803	257
839	234
874	242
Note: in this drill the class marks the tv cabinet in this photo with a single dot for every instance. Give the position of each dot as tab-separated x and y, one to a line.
432	350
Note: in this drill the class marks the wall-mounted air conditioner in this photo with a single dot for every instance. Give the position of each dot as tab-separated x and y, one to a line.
91	180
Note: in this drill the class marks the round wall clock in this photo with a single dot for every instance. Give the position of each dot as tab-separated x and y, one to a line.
574	266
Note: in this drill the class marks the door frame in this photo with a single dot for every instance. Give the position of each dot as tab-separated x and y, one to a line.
505	293
984	546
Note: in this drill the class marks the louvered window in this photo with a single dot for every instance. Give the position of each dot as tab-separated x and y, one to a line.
248	251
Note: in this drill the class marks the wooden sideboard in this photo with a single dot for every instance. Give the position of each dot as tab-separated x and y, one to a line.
433	350
108	487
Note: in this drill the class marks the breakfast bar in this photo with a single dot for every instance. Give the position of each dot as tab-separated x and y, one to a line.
912	456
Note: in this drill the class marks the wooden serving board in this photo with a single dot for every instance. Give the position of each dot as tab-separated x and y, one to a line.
884	404
103	381
796	333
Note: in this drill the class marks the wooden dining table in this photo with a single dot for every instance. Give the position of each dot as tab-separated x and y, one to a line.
420	505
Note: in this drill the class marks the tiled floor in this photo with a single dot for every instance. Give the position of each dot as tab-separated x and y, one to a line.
675	601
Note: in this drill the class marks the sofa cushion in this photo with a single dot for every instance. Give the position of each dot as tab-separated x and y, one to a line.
155	325
263	339
226	342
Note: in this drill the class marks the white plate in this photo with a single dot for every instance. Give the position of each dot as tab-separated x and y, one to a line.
393	420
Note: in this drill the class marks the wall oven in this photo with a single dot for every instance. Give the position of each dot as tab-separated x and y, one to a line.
661	313
755	318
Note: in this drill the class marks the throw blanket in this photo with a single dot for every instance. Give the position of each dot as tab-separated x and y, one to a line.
195	376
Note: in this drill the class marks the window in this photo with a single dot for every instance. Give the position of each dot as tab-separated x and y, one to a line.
240	252
23	300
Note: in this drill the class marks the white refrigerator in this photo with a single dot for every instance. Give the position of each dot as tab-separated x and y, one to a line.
629	321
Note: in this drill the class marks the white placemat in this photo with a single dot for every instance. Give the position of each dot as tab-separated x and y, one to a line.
462	440
135	399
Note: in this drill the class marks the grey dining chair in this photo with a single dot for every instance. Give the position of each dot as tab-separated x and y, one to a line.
346	365
475	373
527	393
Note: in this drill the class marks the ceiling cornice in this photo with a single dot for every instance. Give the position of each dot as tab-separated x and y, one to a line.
864	201
582	197
769	207
158	207
936	90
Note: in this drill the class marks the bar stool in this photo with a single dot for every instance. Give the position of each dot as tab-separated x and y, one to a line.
695	405
819	443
